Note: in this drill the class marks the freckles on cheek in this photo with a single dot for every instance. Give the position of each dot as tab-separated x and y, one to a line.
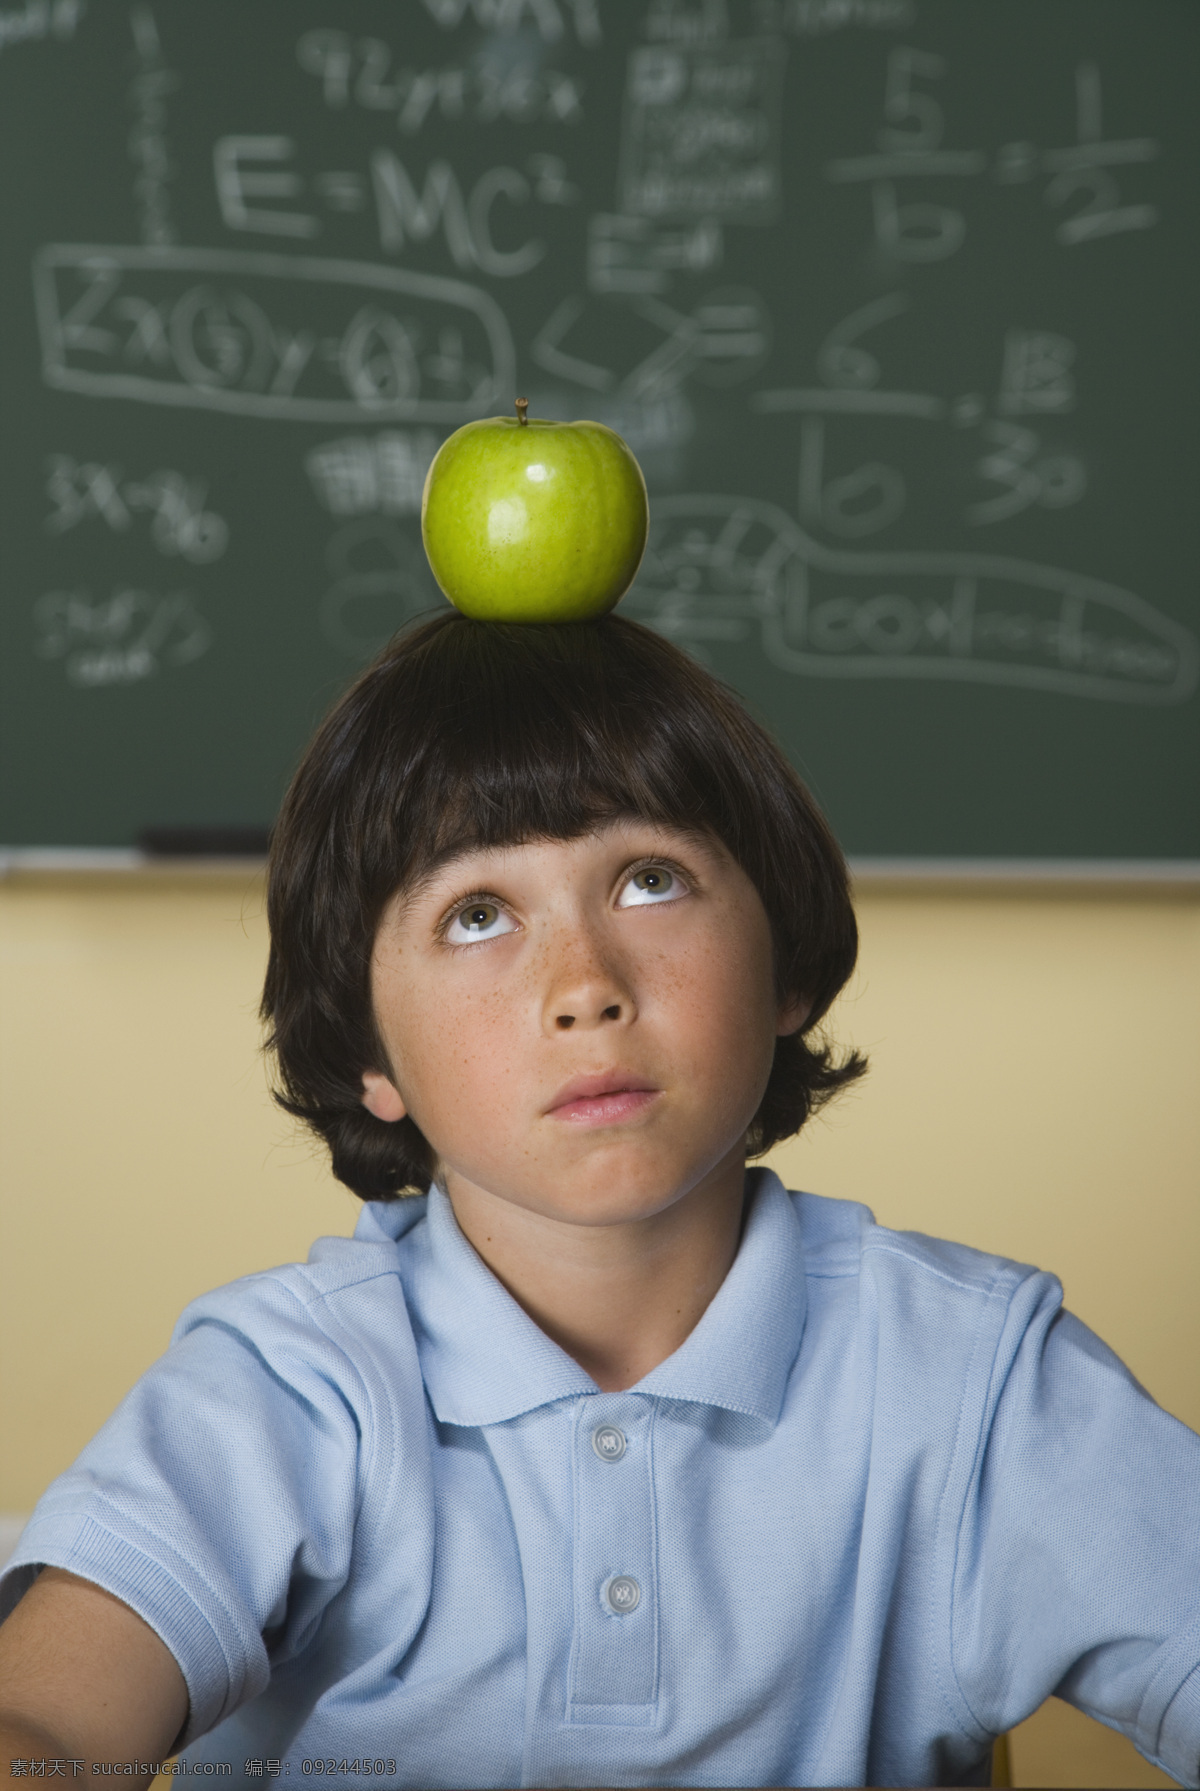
691	998
724	999
474	1045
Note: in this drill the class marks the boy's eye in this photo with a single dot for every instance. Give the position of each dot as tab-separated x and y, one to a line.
653	883
479	920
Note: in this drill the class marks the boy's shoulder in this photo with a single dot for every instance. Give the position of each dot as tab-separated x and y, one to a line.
346	1297
938	1309
843	1237
334	1265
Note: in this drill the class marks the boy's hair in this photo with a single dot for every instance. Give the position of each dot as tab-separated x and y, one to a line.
467	734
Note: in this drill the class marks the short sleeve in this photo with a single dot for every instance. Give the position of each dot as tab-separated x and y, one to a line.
218	1501
1078	1557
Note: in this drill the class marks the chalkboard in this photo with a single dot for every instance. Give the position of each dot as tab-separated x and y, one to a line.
895	301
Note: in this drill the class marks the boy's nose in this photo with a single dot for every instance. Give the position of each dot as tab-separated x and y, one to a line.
585	989
612	1012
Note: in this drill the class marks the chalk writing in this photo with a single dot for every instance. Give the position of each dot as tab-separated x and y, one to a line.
734	570
1054	481
910	146
852	372
122	639
39	19
381	581
362	473
724	338
406	216
361	72
1036	375
180	524
247	168
269	335
1036	379
860	502
816	18
687	21
633	255
147	142
864	500
551	19
1084	168
701	132
409	209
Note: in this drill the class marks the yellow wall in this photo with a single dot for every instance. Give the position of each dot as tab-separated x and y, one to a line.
1034	1091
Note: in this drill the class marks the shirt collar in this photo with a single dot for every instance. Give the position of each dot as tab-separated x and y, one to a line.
741	1353
484	1360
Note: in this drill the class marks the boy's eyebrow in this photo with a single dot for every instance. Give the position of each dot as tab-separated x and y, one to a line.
405	896
412	889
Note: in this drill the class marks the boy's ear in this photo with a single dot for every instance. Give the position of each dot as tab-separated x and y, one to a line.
381	1097
792	1015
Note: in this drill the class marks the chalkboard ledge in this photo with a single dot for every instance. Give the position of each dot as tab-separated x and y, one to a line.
1166	876
121	862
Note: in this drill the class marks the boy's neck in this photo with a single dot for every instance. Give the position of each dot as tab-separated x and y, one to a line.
618	1298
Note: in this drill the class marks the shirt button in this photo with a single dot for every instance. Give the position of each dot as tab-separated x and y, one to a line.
608	1442
620	1594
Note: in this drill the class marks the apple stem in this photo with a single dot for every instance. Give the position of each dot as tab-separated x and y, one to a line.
522	410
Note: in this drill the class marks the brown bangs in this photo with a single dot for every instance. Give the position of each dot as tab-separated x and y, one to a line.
501	734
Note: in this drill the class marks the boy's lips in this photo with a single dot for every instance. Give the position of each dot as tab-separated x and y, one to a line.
616	1095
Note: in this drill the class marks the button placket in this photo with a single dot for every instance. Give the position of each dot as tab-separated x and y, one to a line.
614	1653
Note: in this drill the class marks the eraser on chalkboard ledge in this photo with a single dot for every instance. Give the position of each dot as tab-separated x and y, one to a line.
204	842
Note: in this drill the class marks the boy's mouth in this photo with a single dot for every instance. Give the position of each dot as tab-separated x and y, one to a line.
604	1098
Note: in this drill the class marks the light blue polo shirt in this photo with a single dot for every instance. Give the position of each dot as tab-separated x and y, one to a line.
884	1499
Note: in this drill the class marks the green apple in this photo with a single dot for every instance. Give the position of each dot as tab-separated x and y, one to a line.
526	520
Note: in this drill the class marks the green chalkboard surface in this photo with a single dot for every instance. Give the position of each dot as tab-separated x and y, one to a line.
895	301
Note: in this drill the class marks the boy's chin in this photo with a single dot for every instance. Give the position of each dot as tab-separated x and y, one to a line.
620	1184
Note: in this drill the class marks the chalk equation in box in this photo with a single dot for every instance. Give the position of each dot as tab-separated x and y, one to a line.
724	570
701	132
264	335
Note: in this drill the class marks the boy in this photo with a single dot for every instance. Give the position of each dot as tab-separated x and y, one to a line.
602	1461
